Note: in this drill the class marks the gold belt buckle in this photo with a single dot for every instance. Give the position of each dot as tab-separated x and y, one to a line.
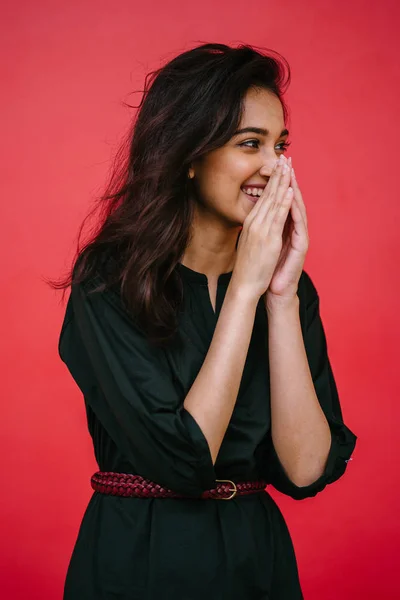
234	490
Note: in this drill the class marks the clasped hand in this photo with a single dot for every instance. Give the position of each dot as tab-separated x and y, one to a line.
295	241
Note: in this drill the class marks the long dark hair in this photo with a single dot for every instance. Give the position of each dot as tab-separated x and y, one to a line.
190	106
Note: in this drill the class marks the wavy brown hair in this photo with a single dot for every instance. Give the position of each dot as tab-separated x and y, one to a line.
190	106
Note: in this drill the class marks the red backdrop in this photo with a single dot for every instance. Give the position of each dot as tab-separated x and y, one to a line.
68	66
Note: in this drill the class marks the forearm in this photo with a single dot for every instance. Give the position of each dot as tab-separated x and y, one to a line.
299	429
212	397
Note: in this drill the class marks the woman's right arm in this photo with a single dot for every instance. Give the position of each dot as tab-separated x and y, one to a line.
212	397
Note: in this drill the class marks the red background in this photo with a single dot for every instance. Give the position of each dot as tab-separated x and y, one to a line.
67	69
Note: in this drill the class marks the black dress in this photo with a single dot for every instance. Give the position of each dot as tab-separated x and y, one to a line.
186	549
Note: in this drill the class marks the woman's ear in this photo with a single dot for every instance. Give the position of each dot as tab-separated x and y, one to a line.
191	173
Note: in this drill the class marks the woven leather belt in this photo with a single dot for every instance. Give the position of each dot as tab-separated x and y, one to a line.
127	485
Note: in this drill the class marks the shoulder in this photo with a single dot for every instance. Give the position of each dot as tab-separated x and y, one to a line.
98	296
100	282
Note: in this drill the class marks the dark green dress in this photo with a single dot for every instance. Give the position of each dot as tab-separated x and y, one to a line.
186	549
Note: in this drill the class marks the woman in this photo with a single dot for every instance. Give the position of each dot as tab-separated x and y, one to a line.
196	339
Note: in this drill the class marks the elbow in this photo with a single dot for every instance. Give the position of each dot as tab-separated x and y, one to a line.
304	481
311	469
308	476
186	478
301	479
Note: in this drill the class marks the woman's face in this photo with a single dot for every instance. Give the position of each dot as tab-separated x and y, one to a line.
248	158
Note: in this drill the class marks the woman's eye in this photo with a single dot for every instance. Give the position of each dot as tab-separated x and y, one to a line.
285	145
250	142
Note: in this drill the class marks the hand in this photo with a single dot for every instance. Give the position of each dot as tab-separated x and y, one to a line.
261	240
295	243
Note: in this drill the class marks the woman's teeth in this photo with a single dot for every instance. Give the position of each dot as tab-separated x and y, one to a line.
252	191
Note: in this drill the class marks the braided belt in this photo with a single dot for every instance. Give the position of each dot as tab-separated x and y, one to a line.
127	485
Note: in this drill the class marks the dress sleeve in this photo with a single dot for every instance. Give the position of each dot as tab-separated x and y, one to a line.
343	439
131	389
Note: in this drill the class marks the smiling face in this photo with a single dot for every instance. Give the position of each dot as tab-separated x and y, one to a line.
247	158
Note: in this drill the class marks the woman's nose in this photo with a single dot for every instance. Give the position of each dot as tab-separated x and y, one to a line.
267	168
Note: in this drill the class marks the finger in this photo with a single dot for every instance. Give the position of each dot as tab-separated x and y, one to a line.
298	196
279	189
277	216
275	179
268	193
300	227
267	197
286	235
297	214
284	183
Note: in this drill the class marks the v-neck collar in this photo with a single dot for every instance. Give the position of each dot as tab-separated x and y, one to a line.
201	278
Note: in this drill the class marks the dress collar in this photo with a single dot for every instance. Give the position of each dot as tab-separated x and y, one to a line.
201	278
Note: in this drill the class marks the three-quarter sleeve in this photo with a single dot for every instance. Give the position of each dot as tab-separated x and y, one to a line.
343	440
130	388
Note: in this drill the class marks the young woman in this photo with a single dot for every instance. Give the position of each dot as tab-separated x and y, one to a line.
196	339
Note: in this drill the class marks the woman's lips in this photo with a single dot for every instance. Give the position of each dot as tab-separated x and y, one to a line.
251	197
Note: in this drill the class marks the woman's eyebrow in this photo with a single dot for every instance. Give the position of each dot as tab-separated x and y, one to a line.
258	130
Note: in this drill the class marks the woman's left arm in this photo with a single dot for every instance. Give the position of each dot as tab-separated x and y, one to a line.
299	429
309	445
299	441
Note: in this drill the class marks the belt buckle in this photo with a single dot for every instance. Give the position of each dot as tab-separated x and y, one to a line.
234	490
